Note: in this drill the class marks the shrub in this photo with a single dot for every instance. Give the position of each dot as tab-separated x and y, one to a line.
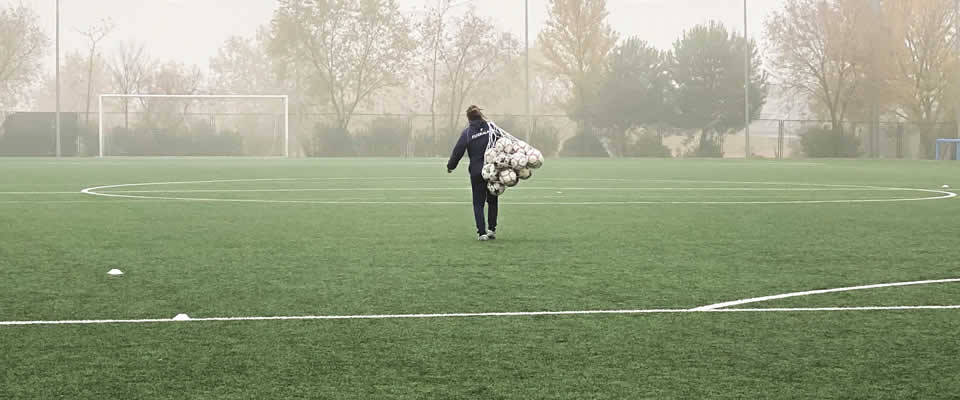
583	144
647	145
824	142
332	141
384	137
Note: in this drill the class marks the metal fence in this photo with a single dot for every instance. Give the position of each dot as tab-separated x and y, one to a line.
420	135
882	140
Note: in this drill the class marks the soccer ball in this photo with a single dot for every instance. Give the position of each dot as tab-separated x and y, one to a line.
499	145
490	156
518	161
524	173
510	147
502	160
495	177
496	188
523	147
488	171
534	159
508	177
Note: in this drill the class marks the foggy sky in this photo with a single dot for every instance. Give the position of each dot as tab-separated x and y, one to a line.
191	31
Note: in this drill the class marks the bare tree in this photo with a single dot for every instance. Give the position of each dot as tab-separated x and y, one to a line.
22	44
73	84
471	51
129	69
356	47
254	65
818	52
170	78
925	57
926	62
94	35
431	31
505	87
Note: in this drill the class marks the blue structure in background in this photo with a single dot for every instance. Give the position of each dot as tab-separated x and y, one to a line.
957	141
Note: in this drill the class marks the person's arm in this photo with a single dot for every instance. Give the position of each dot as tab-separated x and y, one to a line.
458	151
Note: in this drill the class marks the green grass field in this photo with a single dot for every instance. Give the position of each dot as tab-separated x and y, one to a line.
337	237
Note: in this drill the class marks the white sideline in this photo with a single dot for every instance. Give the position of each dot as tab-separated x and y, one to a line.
421	189
63	201
717	306
467	315
40	192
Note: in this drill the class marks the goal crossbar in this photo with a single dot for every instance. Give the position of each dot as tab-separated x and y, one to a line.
285	98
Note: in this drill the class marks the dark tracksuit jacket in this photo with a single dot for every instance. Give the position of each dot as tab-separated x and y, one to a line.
473	141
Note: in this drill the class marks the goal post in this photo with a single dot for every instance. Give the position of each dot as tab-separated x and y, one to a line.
285	99
956	143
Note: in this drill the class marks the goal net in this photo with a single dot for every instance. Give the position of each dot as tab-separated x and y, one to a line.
193	125
947	149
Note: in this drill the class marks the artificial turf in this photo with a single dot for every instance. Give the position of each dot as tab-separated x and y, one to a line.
320	237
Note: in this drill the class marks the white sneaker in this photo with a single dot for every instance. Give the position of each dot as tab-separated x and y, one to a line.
492	235
483	238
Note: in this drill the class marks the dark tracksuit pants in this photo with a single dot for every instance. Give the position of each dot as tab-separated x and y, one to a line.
481	196
474	140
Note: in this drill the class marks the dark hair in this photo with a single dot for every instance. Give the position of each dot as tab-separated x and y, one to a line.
473	113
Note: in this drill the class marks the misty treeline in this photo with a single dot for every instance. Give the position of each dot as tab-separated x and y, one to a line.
365	78
869	60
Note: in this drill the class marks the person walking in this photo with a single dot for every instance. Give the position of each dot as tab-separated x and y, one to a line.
473	141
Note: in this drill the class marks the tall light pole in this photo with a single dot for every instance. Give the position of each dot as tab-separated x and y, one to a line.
57	73
526	43
746	84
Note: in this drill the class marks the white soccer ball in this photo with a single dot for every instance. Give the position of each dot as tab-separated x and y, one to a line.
496	188
490	156
508	177
524	173
495	177
510	147
488	171
534	159
518	161
499	145
523	147
533	162
502	160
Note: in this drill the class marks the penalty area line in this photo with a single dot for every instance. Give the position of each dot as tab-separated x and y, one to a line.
467	315
734	303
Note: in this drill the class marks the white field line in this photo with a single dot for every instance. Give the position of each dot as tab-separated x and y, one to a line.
101	191
73	192
467	315
718	307
413	200
67	201
584	203
866	308
726	304
718	189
